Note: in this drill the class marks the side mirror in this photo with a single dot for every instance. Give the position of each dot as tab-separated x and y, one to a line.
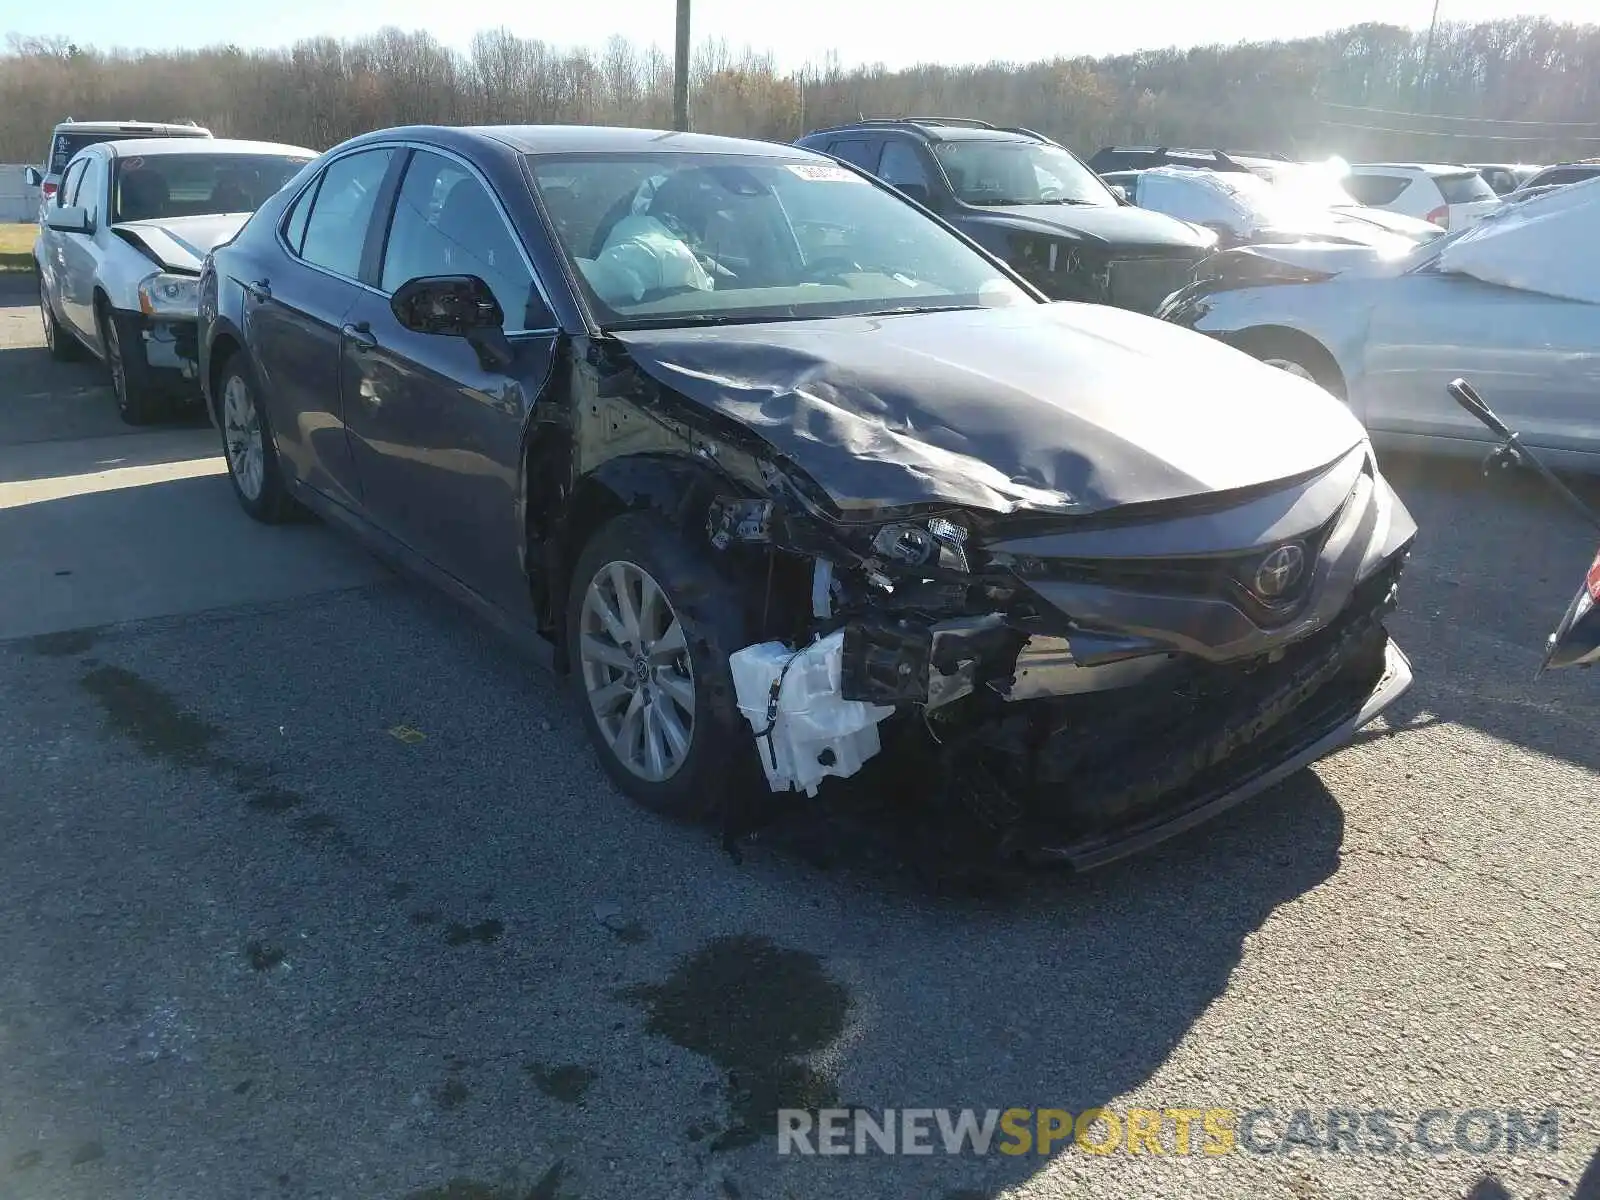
1120	192
31	176
914	191
455	306
68	220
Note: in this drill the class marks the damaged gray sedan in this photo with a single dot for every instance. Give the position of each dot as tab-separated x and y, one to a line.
791	475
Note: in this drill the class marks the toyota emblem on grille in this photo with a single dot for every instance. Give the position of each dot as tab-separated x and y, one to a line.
1279	571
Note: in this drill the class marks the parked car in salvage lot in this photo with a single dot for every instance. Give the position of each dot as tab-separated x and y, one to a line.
1030	201
120	249
1510	303
1244	208
71	136
770	460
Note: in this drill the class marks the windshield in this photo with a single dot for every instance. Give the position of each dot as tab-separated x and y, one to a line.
187	185
673	239
989	171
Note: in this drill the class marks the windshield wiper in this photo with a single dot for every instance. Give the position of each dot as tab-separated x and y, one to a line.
674	320
912	309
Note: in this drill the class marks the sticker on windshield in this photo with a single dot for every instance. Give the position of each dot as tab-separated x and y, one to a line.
132	164
825	173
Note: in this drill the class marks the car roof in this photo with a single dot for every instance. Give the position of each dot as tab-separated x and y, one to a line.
155	147
603	139
112	126
1422	168
935	129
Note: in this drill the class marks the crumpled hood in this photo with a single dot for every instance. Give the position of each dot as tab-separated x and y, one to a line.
1335	230
181	243
1302	261
1066	407
1120	227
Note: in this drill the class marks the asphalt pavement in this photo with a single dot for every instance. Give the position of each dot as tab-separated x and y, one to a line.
311	887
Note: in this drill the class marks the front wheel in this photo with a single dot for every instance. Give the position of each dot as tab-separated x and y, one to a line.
247	445
138	402
650	625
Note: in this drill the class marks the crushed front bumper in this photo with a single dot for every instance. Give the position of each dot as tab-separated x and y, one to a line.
1313	732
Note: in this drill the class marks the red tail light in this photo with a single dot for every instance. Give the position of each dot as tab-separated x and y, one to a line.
1440	216
49	189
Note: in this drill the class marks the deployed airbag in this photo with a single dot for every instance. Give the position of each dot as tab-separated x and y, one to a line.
1549	244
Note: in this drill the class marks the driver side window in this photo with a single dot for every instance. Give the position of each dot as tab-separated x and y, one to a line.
68	190
901	165
446	223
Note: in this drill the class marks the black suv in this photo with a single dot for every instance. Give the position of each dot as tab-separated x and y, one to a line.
1030	201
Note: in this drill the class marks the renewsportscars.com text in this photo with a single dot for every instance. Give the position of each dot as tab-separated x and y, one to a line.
1171	1131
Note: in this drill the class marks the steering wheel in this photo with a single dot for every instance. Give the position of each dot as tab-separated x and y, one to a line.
828	267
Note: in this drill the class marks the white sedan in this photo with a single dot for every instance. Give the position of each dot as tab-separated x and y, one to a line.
121	247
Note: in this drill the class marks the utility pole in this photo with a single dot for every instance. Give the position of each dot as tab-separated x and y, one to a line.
1427	57
680	76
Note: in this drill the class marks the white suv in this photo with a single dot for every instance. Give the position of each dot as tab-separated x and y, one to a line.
1450	197
71	136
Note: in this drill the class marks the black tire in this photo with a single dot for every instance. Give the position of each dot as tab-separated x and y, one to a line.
263	496
138	402
63	346
719	765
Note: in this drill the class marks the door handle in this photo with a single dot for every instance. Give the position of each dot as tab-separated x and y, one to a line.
360	336
260	290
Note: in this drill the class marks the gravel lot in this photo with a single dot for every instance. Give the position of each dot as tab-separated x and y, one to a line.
312	888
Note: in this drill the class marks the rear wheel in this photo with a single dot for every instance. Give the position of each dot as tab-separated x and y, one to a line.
62	345
247	445
650	625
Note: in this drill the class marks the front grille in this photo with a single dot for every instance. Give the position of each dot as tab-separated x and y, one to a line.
1143	283
1224	576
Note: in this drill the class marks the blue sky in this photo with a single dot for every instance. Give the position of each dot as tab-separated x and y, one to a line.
896	32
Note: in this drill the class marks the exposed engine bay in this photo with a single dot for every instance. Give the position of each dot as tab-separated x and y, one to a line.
1063	695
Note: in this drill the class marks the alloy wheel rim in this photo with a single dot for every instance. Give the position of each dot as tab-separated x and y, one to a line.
119	378
637	673
1288	365
241	432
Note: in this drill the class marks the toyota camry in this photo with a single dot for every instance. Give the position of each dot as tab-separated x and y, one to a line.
789	475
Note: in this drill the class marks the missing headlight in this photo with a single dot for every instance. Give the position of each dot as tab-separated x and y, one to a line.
909	545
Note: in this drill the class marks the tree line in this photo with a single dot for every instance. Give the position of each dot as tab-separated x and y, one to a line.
1523	89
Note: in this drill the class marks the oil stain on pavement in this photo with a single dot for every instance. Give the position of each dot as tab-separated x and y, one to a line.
568	1082
149	718
547	1187
757	1010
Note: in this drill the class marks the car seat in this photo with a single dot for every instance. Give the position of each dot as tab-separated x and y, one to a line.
143	194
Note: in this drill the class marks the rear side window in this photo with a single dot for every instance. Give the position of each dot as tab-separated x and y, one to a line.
336	229
1565	175
1377	189
294	228
1466	188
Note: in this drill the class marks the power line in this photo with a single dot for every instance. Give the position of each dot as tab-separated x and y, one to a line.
1392	112
1471	137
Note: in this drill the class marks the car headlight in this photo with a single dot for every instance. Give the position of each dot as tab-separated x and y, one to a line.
164	295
